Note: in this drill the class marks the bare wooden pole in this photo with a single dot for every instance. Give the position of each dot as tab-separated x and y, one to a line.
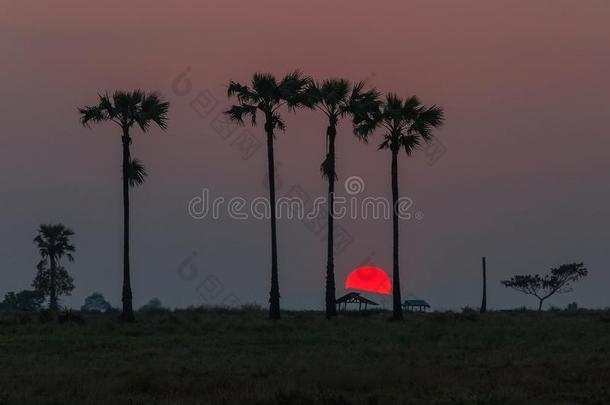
484	302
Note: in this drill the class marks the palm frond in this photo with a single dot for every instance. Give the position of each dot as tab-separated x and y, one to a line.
293	90
278	122
266	88
385	144
410	143
335	92
104	111
54	241
365	108
136	173
106	105
426	119
327	168
126	108
238	113
91	114
243	93
364	102
411	105
393	105
268	95
407	122
313	93
121	101
152	108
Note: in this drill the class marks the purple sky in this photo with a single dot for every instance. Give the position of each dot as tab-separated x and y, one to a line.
526	90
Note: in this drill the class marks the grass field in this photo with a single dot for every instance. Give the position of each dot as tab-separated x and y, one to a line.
223	357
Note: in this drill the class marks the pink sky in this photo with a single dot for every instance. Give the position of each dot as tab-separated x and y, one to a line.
525	87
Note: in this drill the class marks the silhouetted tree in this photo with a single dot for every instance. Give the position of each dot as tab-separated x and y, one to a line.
61	284
25	300
336	99
268	95
127	109
558	281
153	305
53	242
96	303
406	124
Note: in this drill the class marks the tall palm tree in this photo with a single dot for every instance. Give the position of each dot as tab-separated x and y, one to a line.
336	99
127	109
54	243
406	124
268	95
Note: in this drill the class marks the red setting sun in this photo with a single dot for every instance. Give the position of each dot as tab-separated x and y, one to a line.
369	278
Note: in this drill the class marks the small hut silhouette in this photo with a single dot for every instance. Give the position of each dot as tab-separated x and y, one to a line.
411	305
354	298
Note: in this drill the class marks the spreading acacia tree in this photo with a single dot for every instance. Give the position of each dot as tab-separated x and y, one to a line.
336	99
559	281
267	95
126	110
53	243
406	124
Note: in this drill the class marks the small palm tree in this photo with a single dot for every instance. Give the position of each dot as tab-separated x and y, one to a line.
268	95
127	109
406	124
336	99
53	242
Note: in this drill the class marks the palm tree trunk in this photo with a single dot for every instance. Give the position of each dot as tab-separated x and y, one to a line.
53	288
274	293
396	301
331	309
127	314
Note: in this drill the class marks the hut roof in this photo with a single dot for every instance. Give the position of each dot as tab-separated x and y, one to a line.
354	297
416	303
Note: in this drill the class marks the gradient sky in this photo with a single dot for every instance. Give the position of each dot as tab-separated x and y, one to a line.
526	90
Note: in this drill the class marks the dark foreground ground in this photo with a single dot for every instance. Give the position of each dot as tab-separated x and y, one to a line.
217	357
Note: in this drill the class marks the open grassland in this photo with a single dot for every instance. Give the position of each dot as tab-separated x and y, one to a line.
223	357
